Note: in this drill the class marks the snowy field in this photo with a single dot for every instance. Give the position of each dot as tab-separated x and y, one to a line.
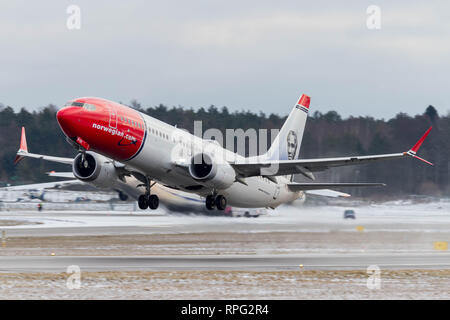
350	285
97	229
391	216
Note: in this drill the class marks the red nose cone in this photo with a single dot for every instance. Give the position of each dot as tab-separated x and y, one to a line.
66	118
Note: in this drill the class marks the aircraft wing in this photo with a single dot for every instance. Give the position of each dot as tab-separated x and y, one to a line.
307	166
23	153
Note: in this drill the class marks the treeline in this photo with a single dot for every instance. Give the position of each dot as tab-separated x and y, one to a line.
326	135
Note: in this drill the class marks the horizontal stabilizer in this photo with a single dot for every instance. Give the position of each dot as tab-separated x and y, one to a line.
61	174
327	193
42	186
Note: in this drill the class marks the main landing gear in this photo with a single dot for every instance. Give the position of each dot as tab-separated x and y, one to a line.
218	201
151	201
148	200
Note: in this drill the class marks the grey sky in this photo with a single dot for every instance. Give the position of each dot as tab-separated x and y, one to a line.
257	55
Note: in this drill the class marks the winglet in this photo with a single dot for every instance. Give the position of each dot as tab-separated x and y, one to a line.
23	147
421	140
412	152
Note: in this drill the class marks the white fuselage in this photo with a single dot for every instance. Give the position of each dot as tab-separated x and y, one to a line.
166	145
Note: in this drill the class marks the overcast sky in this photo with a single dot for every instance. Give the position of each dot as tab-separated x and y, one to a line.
253	54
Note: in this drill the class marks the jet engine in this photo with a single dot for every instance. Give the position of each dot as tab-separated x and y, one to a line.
211	173
94	169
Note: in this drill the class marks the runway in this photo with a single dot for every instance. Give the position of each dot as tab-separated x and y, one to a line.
290	253
225	263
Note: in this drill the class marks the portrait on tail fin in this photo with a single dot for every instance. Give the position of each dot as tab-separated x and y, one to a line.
292	143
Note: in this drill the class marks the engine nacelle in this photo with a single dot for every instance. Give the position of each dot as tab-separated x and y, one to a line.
96	170
211	173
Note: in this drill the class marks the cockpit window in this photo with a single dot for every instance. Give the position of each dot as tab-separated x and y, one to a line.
74	104
89	107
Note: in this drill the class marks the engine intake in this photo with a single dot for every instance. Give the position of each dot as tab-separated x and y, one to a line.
87	170
210	173
95	169
201	167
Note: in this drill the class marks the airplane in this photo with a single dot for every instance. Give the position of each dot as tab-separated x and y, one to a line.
122	148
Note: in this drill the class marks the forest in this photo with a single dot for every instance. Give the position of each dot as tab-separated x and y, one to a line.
326	135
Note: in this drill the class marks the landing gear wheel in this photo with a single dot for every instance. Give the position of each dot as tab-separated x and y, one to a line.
210	202
221	202
142	202
153	202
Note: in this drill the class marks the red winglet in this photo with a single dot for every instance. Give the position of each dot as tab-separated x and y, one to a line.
23	141
304	101
419	143
23	146
421	159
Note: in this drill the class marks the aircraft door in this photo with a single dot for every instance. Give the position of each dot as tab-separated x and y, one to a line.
112	117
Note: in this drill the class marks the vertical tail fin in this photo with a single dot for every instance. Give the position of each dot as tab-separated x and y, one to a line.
286	145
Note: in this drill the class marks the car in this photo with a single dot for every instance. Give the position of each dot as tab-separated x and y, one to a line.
349	214
244	212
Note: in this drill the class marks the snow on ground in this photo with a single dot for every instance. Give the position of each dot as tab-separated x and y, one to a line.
403	284
397	226
390	216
